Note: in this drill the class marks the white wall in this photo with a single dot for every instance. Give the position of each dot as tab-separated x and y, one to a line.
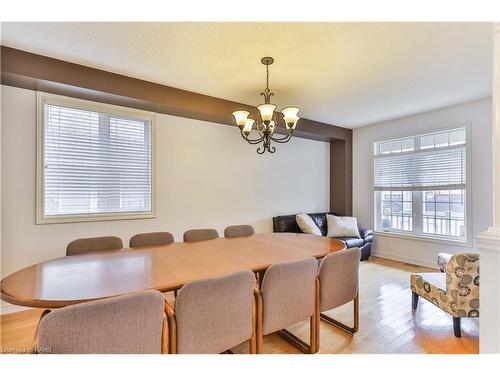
476	115
207	176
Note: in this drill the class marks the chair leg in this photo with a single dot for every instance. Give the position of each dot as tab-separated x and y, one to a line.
258	322
414	300
341	325
172	329
252	343
313	345
456	327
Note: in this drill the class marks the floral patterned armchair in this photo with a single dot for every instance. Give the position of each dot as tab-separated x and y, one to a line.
456	291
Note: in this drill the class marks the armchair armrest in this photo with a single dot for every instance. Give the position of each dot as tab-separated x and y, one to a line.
442	261
462	283
366	234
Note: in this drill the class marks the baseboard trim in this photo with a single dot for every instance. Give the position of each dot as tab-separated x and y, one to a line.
416	262
7	308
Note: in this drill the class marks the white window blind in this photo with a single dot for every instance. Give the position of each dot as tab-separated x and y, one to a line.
420	185
423	170
95	163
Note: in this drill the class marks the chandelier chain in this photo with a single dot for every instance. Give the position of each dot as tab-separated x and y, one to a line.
267	77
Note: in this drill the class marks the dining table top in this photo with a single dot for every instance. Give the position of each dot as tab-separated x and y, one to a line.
96	275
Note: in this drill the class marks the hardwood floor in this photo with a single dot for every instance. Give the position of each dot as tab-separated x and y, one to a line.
387	322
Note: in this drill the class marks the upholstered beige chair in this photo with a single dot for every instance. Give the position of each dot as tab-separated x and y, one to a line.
84	245
339	279
130	324
213	315
239	231
456	291
194	235
151	239
289	294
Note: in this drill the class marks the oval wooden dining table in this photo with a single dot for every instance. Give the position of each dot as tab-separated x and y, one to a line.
96	275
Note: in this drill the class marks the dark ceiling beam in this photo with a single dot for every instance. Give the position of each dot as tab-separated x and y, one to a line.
36	72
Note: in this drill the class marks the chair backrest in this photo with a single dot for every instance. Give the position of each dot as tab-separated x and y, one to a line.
151	239
239	231
339	278
126	324
288	294
462	284
194	235
84	245
214	315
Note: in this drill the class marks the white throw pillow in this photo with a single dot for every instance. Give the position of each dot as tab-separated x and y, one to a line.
342	226
307	224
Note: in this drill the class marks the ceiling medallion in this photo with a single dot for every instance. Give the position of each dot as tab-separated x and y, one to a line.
266	126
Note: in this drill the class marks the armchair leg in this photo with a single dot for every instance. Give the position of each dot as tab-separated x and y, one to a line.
414	300
456	327
341	325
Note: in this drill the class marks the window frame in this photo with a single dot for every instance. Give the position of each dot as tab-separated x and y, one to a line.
417	232
46	98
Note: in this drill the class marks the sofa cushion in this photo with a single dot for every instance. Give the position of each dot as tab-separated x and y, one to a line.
285	223
307	224
320	220
352	241
342	226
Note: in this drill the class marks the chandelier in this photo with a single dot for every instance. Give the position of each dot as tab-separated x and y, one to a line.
266	126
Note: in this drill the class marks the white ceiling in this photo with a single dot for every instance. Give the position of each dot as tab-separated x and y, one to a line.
347	74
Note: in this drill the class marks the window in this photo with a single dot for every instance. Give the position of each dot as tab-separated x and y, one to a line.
420	185
95	161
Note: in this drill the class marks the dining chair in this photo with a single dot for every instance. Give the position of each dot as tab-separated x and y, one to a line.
134	323
151	239
239	231
213	315
84	245
194	235
339	279
289	294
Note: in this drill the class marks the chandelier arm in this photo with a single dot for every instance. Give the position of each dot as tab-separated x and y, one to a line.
284	139
252	141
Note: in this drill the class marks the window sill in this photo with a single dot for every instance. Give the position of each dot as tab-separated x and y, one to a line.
414	237
90	218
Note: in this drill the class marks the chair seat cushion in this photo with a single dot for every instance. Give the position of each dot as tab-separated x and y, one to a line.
352	241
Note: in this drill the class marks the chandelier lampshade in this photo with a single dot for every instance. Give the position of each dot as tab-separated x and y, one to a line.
290	117
247	128
241	117
267	125
266	112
